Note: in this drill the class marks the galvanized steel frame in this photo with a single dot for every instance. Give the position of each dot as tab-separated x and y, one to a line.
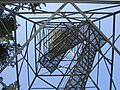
33	36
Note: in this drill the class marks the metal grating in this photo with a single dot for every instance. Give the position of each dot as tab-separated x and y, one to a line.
69	38
58	48
81	70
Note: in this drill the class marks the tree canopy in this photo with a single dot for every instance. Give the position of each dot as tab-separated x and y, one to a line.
7	26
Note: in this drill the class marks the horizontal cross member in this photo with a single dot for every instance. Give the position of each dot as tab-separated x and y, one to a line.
62	1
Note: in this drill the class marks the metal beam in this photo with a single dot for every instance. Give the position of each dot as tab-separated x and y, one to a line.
86	12
62	1
95	27
2	83
113	41
28	41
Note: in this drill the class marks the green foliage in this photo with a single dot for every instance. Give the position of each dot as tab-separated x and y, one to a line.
29	6
6	38
6	26
6	50
12	86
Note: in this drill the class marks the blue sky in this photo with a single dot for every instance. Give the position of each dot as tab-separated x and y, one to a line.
9	74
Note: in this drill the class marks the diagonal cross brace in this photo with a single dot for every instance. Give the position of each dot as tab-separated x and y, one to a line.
82	68
66	41
28	41
86	58
95	27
